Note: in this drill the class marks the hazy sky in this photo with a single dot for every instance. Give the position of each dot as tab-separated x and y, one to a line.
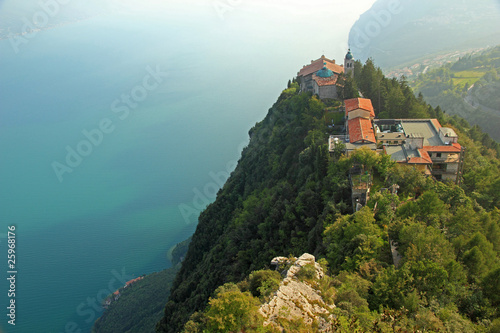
325	24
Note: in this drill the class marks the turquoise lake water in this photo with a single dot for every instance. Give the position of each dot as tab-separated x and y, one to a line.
114	217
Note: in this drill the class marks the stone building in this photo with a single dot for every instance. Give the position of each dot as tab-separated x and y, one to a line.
321	76
423	143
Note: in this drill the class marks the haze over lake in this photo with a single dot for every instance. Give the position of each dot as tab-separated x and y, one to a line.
118	121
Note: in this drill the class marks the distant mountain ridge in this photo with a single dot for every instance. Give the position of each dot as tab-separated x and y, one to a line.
395	32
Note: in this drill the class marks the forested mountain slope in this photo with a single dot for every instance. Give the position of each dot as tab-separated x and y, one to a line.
289	196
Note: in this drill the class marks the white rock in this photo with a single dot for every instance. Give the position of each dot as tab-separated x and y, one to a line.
296	299
279	260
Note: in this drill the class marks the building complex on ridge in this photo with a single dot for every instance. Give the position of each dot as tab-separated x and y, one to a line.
423	143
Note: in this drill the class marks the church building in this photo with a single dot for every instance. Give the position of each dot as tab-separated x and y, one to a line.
320	76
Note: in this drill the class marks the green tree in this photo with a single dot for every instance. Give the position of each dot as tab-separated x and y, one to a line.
395	101
428	208
429	278
366	157
349	89
479	258
491	286
419	241
391	288
353	240
232	311
263	283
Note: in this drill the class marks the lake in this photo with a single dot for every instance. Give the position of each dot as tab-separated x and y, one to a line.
117	125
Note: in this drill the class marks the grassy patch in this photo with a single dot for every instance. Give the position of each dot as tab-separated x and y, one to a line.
471	73
470	77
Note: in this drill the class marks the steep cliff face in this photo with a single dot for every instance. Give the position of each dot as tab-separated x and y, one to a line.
269	206
298	297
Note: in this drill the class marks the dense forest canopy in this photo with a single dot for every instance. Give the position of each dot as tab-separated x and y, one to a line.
288	195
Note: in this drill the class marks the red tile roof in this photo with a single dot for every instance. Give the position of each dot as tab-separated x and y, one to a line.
134	280
418	160
453	148
359	103
318	64
423	159
325	81
424	153
436	123
361	131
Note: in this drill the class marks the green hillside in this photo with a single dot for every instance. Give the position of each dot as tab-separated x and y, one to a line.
289	196
469	88
140	306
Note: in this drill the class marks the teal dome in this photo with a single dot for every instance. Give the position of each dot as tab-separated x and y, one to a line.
349	56
324	72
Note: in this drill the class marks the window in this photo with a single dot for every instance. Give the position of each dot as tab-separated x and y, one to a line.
438	154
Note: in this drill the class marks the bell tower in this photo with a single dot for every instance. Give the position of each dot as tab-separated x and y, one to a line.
349	64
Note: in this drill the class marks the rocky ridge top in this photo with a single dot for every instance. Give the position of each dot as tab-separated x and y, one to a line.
298	297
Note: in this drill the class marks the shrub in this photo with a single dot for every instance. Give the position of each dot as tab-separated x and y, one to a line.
306	272
264	282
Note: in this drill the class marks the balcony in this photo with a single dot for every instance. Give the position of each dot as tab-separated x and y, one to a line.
452	158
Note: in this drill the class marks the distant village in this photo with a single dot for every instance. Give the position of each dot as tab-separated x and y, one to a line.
422	143
424	65
116	295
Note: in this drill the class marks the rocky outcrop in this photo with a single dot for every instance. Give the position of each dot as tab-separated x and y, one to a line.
298	298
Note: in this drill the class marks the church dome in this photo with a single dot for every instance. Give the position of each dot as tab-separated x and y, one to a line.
349	56
324	72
